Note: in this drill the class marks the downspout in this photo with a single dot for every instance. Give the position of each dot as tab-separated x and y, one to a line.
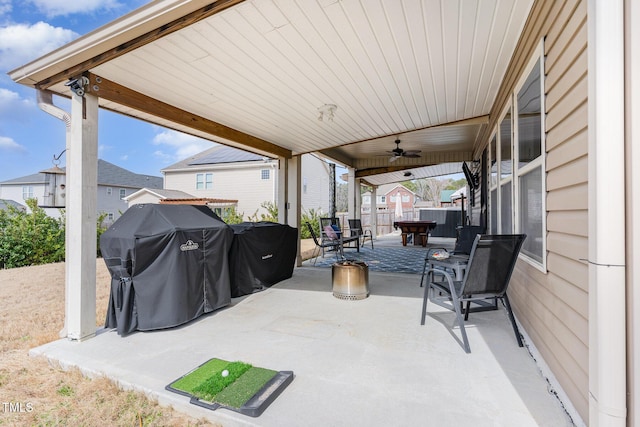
607	228
45	103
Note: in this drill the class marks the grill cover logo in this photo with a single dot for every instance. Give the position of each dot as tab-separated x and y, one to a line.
190	245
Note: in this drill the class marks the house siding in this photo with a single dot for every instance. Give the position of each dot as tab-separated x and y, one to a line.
316	174
552	306
241	183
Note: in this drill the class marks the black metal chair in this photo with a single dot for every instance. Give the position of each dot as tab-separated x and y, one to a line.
336	233
336	245
491	263
355	228
466	234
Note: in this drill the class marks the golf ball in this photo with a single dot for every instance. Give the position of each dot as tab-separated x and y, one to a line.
225	373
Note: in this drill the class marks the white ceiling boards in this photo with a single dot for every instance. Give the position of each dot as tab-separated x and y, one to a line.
258	73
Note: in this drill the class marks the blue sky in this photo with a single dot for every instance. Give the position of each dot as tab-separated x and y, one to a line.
29	137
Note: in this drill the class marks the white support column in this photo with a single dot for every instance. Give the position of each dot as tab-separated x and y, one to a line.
358	200
351	192
607	233
81	216
632	118
289	197
281	190
374	212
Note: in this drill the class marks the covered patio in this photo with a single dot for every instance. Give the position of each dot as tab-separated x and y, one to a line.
356	363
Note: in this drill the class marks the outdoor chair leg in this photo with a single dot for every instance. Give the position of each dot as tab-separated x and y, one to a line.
424	268
457	306
424	303
513	320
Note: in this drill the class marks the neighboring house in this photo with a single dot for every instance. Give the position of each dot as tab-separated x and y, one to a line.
445	198
5	203
150	195
48	187
386	198
227	173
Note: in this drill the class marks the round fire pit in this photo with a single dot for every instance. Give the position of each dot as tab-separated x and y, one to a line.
350	280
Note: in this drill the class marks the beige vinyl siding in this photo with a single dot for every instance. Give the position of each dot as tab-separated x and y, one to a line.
316	173
242	183
553	306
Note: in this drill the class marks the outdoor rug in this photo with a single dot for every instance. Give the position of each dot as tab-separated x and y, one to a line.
237	386
384	259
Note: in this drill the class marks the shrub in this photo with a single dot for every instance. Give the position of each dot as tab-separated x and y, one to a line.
271	215
30	238
312	216
231	216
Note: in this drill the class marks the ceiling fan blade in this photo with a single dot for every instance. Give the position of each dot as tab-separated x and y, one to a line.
411	155
393	159
411	152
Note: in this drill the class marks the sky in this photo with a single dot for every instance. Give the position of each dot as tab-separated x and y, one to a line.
29	137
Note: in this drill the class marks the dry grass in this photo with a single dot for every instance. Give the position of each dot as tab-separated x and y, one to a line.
31	314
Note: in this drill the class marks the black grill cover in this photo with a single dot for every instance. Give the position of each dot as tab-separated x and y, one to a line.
168	264
262	254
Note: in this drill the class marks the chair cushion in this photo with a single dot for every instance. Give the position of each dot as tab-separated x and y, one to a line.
336	229
329	231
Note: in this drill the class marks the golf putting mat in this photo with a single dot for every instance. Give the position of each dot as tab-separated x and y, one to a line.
237	386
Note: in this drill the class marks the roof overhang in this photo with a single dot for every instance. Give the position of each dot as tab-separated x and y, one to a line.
258	75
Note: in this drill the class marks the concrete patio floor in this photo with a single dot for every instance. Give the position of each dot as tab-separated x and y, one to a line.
356	363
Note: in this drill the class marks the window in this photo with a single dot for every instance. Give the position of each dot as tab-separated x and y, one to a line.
529	149
304	185
123	193
109	191
405	198
27	192
366	200
265	174
516	165
110	216
383	199
204	181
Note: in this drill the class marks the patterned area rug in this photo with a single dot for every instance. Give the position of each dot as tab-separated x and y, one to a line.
386	259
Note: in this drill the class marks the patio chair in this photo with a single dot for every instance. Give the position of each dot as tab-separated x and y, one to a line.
466	234
487	276
336	245
355	228
330	230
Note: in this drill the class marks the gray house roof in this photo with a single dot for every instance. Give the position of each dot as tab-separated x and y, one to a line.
108	174
5	202
216	155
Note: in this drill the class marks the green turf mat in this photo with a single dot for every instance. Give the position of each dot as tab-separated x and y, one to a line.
243	388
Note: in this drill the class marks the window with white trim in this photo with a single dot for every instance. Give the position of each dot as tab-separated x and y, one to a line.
516	201
123	193
265	174
204	181
109	191
27	192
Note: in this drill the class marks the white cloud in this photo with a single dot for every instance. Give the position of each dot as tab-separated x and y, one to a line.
5	7
21	43
182	145
53	8
13	107
9	144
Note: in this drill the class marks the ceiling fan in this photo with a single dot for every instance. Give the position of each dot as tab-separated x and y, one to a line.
398	152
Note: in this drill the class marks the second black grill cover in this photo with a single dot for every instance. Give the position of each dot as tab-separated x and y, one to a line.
262	254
